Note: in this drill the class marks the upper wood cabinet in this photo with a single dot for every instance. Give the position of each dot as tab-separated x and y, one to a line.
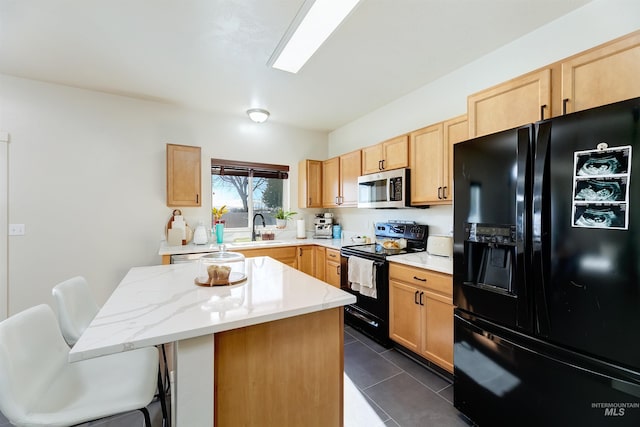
525	99
331	182
310	184
340	180
428	159
454	130
388	155
602	75
350	170
183	176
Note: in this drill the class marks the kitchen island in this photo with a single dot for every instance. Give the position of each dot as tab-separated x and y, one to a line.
267	351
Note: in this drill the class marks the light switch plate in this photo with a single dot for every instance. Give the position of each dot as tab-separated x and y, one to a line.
16	229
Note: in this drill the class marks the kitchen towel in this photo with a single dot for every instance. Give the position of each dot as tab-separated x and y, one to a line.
361	276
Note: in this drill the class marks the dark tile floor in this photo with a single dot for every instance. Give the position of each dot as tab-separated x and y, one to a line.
382	387
401	391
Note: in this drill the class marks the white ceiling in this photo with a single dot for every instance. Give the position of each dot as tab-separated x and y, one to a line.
211	54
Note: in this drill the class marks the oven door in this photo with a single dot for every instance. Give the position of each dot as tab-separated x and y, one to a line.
369	315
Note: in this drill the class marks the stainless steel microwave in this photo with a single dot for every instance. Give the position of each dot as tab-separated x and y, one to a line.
388	189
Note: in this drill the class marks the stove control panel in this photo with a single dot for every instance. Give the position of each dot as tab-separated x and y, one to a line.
402	231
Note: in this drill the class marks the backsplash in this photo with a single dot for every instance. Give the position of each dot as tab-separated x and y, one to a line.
361	221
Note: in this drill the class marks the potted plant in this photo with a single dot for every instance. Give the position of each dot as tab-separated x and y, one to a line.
282	216
217	214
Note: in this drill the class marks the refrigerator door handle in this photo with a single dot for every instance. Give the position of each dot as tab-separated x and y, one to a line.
540	228
523	188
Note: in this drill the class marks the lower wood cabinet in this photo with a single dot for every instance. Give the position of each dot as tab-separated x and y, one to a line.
421	312
317	261
320	258
306	259
332	267
287	254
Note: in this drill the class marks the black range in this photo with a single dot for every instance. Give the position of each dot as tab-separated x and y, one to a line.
371	315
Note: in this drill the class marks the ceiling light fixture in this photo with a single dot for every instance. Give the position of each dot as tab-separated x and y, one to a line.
313	24
258	115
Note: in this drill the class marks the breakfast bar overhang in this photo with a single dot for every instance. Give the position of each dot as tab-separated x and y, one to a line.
267	351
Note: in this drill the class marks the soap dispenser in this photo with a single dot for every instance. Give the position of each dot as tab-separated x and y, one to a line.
200	235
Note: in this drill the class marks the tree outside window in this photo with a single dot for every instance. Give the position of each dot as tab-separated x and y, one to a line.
247	189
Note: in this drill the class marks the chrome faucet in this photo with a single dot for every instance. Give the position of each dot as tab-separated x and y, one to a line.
253	232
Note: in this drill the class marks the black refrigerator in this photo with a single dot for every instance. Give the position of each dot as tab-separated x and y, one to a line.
546	272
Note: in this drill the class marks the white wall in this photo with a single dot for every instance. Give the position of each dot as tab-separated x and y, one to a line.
86	171
87	178
591	25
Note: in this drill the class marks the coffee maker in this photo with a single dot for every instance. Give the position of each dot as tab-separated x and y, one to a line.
323	226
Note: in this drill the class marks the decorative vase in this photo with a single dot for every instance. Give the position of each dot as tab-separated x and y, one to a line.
281	223
219	232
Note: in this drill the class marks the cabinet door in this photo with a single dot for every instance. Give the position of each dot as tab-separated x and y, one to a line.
183	176
306	259
332	267
287	254
320	262
455	130
523	100
310	184
606	74
330	182
372	159
427	165
437	331
395	153
332	273
350	167
404	315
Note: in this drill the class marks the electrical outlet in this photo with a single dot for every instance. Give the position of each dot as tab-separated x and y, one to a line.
16	229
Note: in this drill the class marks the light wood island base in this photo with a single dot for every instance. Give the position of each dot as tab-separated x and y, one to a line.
287	372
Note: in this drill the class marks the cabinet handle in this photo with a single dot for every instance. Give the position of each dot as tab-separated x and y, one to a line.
338	270
421	295
439	192
444	192
382	161
299	251
310	201
417	278
542	107
415	297
197	198
564	105
332	255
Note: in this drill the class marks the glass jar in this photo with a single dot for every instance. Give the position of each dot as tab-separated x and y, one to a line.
221	268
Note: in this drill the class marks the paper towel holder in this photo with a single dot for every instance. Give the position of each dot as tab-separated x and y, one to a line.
301	229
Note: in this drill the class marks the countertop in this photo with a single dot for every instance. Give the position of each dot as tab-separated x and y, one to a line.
419	259
165	249
424	260
160	304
